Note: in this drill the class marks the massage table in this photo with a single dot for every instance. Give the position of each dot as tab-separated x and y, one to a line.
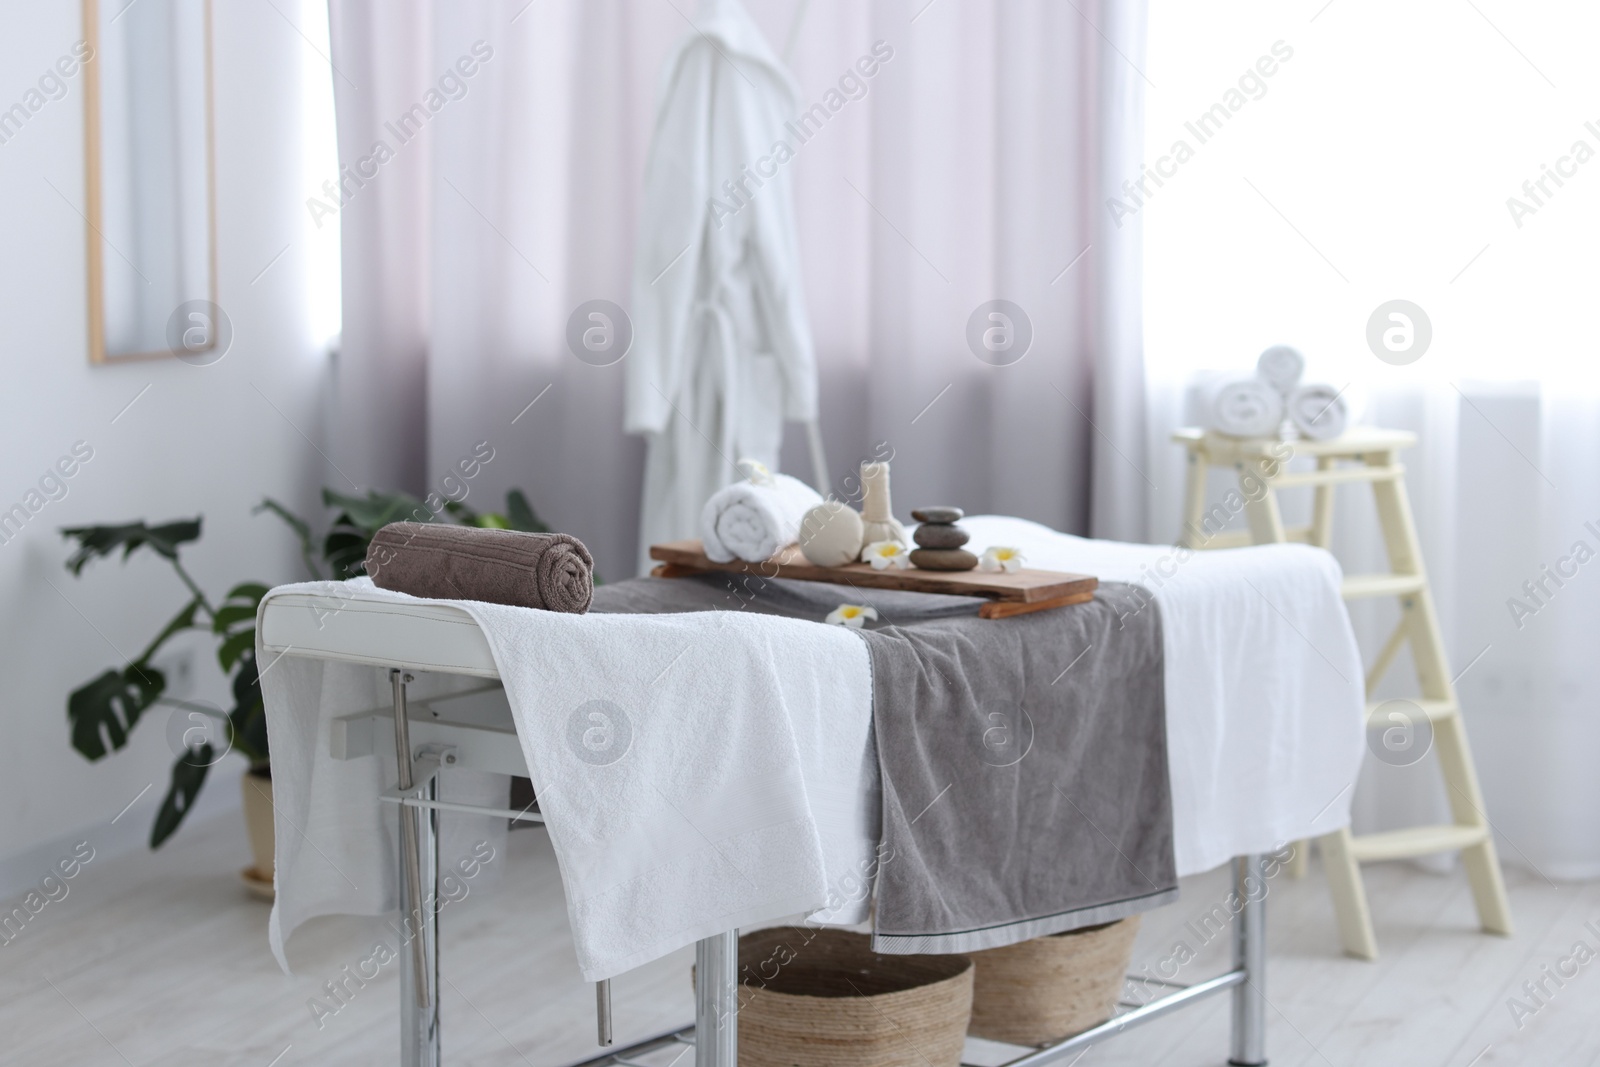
472	729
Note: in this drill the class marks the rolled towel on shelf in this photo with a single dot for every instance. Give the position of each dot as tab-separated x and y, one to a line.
1281	366
1243	406
552	571
1319	411
753	519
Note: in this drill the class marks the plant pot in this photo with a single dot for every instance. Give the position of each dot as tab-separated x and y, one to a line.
1051	987
822	998
257	788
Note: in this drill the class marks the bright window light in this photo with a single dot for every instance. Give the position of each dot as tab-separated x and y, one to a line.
1389	154
319	162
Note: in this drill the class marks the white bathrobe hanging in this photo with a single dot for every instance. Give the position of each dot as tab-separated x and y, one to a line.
722	348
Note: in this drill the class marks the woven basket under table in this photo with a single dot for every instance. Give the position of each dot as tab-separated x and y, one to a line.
822	998
1051	987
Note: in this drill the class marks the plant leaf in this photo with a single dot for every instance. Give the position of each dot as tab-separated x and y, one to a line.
377	509
247	591
236	645
231	615
97	541
107	707
240	605
183	620
188	775
345	546
235	622
249	717
520	514
301	528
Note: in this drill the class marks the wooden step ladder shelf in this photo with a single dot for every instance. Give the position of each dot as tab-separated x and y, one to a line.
1432	710
1369	455
1362	586
1416	841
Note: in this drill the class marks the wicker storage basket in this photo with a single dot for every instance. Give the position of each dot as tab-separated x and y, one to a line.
1051	987
822	998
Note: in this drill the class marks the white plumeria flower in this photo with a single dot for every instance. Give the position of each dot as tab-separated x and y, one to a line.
854	616
885	554
756	471
999	558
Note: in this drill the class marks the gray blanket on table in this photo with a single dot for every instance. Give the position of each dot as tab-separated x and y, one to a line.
1023	760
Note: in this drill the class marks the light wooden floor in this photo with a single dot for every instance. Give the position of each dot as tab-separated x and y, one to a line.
163	960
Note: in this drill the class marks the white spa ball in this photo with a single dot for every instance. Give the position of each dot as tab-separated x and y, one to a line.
830	534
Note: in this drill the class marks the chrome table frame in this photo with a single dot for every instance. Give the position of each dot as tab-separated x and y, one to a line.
714	1034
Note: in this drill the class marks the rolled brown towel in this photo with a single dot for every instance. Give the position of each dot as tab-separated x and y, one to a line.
553	571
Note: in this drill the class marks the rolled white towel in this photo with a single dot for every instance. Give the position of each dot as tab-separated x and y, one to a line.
1243	406
752	519
1318	411
1282	366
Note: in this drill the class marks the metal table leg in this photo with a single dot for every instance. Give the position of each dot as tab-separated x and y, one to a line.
1250	956
716	997
419	903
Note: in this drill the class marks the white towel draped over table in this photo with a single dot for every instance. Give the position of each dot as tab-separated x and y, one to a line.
724	782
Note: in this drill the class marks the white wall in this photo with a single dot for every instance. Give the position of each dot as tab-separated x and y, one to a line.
199	440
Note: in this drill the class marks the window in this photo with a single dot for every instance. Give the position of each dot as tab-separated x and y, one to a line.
319	163
1338	155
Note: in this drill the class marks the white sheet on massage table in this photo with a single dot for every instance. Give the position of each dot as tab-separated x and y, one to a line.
1263	683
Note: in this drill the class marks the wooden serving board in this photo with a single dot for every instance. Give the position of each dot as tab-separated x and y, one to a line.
1017	593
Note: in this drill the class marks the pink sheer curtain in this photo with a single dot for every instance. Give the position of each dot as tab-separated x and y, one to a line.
380	373
969	167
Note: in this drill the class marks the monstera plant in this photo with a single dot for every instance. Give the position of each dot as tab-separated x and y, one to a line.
103	711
